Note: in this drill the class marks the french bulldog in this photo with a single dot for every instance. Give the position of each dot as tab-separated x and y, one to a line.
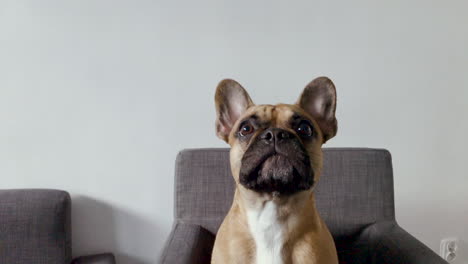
276	160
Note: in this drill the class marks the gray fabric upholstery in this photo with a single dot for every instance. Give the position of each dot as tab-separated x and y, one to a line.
390	244
35	228
354	197
355	189
204	187
385	243
188	244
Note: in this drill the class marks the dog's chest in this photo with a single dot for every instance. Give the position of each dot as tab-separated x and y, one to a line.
267	231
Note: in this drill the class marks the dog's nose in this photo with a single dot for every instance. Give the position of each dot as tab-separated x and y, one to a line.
275	135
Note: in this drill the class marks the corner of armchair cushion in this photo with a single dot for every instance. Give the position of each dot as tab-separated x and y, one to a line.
188	243
388	243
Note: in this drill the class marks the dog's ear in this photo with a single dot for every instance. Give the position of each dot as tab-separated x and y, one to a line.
231	101
319	100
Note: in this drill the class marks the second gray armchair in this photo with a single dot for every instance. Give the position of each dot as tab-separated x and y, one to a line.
35	228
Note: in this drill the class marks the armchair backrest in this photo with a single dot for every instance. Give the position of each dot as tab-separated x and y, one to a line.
35	226
355	189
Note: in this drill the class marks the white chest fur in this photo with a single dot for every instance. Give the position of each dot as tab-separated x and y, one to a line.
267	232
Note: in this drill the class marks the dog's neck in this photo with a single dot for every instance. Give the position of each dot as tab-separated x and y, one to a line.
275	220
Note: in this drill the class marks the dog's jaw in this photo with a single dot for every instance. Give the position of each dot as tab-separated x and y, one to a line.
276	165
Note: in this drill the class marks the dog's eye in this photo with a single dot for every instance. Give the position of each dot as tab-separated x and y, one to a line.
246	129
304	129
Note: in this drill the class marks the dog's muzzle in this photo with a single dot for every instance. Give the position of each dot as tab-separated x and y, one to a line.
276	162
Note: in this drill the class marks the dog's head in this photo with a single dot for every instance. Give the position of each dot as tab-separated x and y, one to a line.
276	149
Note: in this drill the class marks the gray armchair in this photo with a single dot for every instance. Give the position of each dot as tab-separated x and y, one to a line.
35	229
354	196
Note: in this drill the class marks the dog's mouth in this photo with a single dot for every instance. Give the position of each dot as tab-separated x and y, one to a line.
277	173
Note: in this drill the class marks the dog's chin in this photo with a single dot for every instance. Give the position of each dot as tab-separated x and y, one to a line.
278	175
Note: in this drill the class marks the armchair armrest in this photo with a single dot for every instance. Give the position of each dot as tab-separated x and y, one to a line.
391	244
188	243
95	259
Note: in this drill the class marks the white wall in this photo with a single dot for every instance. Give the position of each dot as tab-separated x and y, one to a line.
97	97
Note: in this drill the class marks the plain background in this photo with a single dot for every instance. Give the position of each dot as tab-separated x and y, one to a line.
97	98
